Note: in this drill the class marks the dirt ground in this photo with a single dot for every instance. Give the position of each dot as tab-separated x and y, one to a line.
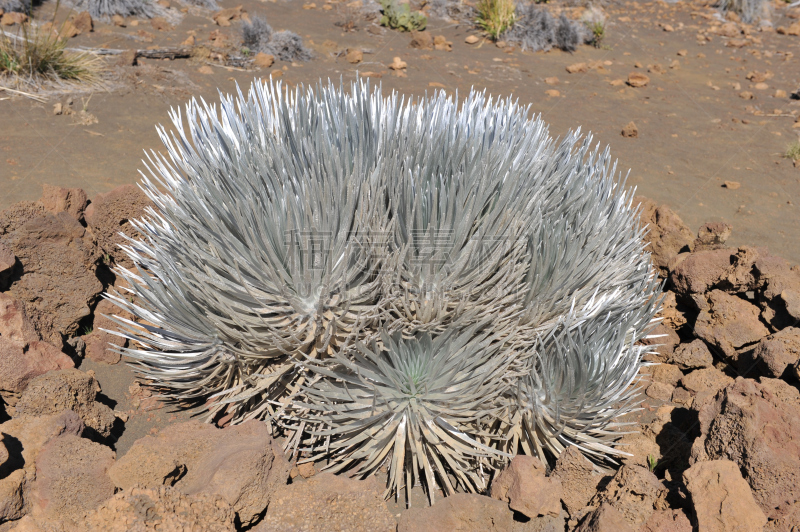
695	131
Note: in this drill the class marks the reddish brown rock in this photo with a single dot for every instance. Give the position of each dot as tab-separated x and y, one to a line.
421	40
667	521
7	263
663	339
71	479
755	425
706	380
26	437
18	215
721	498
781	290
776	355
240	463
70	200
671	313
605	519
67	389
578	479
526	489
83	22
712	235
323	499
111	213
59	281
15	326
725	269
20	363
463	512
635	493
694	355
161	509
729	323
665	373
660	391
667	234
101	345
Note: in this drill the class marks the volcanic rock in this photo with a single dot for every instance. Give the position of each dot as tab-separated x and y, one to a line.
726	269
722	499
694	355
664	339
67	389
578	479
776	355
240	463
101	344
326	498
667	234
780	296
59	282
605	519
464	512
755	425
18	215
526	489
729	323
712	235
667	521
706	380
71	479
635	493
161	509
70	200
7	263
111	213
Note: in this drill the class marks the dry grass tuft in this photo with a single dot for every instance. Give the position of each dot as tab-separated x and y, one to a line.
496	16
34	56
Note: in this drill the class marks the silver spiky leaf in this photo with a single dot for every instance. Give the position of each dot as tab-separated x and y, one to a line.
453	237
421	405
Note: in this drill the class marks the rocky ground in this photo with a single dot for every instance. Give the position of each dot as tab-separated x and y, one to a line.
698	106
716	446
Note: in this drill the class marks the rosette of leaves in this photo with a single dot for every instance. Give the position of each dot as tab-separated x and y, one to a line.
421	405
259	248
432	285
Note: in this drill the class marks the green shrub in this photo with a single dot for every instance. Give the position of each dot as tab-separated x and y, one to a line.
399	17
495	16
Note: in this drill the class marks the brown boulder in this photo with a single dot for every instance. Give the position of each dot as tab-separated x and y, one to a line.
578	479
421	40
463	512
83	22
70	200
721	498
635	493
59	281
240	463
667	521
71	479
673	317
663	339
712	235
526	489
776	355
111	213
15	326
605	519
18	215
755	425
7	263
313	505
20	363
161	509
780	295
729	323
706	380
694	355
665	373
667	234
24	437
101	345
726	269
67	389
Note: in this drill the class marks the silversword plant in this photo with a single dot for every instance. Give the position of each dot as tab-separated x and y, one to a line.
427	285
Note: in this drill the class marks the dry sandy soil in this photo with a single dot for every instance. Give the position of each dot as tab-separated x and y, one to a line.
695	131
